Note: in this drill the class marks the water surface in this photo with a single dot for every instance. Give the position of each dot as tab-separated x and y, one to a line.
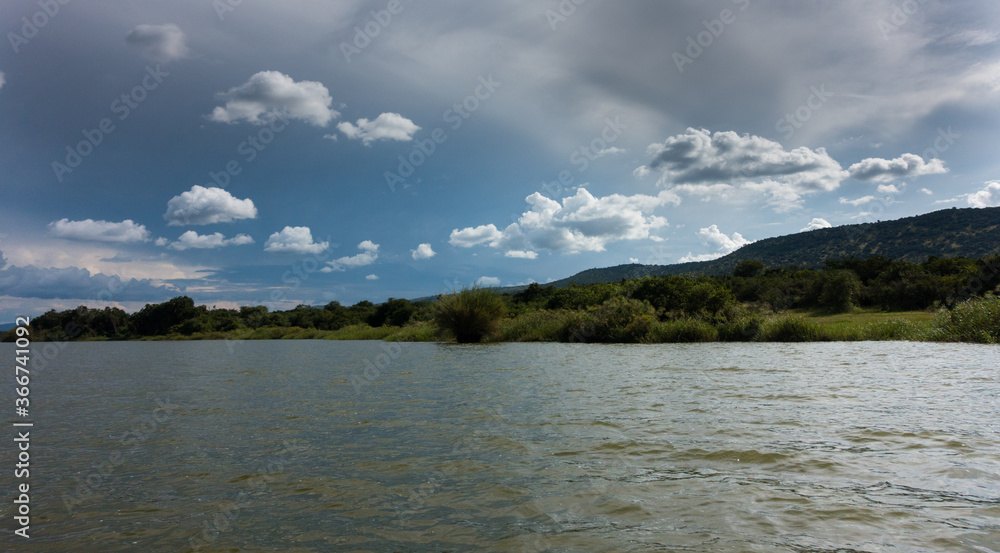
315	446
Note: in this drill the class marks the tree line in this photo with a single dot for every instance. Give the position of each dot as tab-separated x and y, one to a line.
874	282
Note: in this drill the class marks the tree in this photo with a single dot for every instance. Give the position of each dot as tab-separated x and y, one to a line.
253	316
394	312
840	290
749	269
157	319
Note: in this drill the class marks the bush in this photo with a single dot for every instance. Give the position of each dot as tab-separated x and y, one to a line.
683	331
470	315
976	320
617	320
790	329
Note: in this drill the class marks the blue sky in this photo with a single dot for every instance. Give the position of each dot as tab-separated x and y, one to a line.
249	152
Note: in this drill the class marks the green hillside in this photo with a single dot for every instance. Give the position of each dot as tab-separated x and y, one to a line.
971	233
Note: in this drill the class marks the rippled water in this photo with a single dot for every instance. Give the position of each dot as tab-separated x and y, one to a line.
364	446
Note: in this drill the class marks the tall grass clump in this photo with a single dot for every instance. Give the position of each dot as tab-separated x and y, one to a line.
471	314
790	329
744	328
976	320
892	329
360	332
415	332
683	331
534	326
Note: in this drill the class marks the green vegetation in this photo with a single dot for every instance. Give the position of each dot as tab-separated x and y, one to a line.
942	299
977	320
470	315
946	234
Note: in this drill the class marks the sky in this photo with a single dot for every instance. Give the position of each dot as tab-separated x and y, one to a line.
246	152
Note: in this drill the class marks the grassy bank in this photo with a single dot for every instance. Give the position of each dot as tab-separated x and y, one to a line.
626	321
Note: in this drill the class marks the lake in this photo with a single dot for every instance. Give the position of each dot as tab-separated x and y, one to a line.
317	446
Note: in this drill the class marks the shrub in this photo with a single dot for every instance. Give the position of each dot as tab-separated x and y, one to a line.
790	329
976	320
683	331
617	320
470	315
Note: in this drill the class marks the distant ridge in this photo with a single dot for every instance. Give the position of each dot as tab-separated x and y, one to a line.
969	232
966	232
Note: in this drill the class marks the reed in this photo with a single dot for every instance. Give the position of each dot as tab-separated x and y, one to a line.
790	329
976	320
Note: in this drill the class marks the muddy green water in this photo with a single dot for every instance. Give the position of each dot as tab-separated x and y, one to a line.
314	446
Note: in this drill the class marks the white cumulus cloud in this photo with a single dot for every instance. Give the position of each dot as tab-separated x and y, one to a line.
609	151
368	255
161	43
423	251
987	197
100	231
859	201
724	244
270	93
521	254
193	240
815	224
294	240
876	169
203	206
488	281
725	164
388	126
579	223
473	236
371	277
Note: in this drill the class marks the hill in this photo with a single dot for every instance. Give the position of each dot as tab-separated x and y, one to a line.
970	232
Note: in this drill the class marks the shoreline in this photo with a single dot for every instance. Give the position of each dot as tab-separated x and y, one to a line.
783	327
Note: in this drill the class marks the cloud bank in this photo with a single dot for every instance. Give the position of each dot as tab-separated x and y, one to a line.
75	283
700	163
